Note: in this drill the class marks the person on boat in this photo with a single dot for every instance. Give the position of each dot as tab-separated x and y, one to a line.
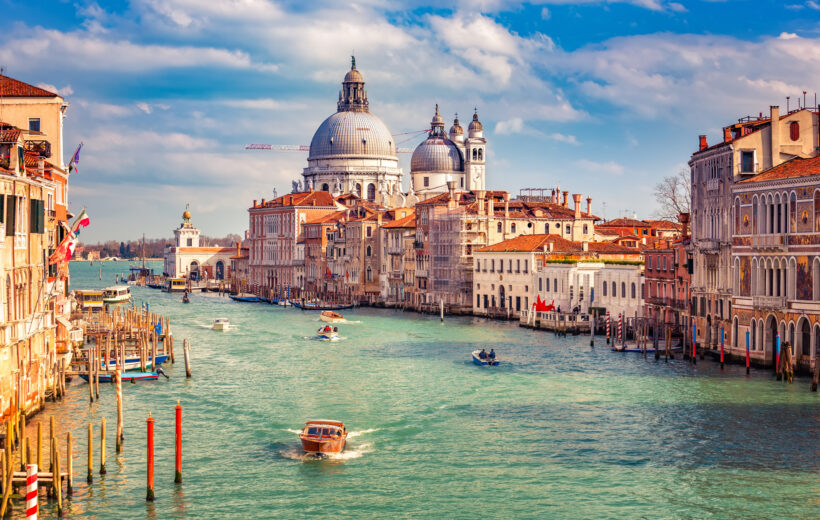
327	328
491	355
335	329
482	354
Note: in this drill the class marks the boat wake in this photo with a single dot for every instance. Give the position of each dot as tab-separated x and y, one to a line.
352	435
351	452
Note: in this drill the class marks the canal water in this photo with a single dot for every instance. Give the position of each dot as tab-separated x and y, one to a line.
559	430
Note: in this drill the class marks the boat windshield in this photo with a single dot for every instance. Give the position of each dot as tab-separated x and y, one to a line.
314	430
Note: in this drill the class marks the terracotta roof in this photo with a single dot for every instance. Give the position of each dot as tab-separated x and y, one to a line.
625	222
536	243
797	167
407	222
664	224
330	218
307	198
10	135
10	87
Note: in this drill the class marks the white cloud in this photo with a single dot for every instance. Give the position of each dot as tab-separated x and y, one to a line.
65	91
545	13
564	138
606	167
510	126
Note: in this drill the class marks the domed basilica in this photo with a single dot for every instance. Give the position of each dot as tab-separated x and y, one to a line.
354	152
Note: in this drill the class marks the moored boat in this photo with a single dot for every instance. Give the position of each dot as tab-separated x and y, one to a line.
322	437
319	306
328	334
244	297
331	317
483	362
117	294
221	324
108	377
176	285
133	363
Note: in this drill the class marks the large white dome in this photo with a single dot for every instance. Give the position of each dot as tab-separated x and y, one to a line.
436	154
349	134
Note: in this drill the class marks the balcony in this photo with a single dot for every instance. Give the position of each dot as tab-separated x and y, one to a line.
41	148
775	242
671	303
395	250
421	273
776	303
418	244
395	274
708	245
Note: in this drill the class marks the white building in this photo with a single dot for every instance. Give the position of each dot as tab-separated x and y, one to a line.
187	259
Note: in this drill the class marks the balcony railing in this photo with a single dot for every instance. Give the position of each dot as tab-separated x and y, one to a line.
418	244
395	250
41	148
776	241
769	302
708	244
672	303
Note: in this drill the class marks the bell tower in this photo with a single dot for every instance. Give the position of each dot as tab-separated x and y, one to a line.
475	155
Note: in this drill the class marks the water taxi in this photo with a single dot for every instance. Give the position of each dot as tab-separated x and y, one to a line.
90	301
221	324
176	285
483	362
117	294
328	334
323	437
331	317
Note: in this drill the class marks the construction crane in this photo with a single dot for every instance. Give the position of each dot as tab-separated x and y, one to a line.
306	148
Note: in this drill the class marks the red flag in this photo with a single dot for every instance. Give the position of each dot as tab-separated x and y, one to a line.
328	274
550	307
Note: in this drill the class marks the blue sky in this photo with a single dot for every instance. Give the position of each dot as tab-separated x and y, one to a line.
602	97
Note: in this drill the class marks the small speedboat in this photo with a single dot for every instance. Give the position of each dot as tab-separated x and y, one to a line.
483	362
331	317
185	299
284	303
108	377
323	437
221	324
327	335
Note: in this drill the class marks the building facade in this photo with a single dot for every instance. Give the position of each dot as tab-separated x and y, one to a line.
186	258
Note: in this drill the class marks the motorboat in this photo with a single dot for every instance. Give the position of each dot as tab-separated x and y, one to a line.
327	334
284	303
331	317
221	324
133	363
319	306
185	298
483	362
245	297
323	437
108	377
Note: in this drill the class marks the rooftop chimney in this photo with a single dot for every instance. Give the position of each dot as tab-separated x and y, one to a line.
589	205
576	199
490	206
684	220
479	196
379	219
506	205
775	132
585	245
566	202
254	203
451	187
703	145
727	134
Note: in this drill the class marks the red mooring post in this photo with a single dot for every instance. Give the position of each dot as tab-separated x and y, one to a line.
178	445
721	346
150	492
747	352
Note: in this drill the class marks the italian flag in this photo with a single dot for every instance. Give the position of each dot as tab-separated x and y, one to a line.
81	221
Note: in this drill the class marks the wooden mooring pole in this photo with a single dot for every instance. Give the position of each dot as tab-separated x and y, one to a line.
178	444
90	477
69	456
150	456
102	446
118	377
186	352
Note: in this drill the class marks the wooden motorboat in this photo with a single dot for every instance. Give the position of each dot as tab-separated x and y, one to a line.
483	362
331	317
318	306
133	363
221	324
323	437
327	335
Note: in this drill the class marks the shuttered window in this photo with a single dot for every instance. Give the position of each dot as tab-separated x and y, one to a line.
11	207
36	216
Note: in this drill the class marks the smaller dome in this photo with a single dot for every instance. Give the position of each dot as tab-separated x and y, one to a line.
475	124
354	76
186	215
456	128
437	119
436	154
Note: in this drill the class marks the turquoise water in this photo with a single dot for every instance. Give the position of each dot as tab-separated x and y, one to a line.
559	430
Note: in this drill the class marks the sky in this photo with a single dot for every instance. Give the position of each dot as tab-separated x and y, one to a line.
599	97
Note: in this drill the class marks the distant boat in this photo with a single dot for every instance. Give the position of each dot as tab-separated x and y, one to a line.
331	317
133	363
483	362
323	437
246	298
317	306
117	294
221	324
108	377
649	348
327	335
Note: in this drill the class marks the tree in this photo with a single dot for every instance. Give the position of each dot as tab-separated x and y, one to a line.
673	195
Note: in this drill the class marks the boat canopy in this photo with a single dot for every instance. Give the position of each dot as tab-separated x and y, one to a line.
325	422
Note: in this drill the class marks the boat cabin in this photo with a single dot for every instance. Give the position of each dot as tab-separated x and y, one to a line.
176	285
90	300
117	293
323	429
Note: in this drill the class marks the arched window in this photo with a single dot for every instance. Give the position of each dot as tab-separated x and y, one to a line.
540	284
369	273
547	228
368	232
499	227
793	213
614	290
737	216
604	285
358	189
475	154
512	228
623	290
753	336
754	217
480	154
794	130
371	191
817	211
586	229
633	290
734	333
325	187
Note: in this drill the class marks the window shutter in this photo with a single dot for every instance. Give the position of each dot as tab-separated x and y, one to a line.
2	208
11	205
32	215
41	216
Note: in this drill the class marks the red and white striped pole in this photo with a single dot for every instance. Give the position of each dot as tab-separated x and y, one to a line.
608	327
31	492
620	327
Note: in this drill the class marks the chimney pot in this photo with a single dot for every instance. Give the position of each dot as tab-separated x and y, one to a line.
566	195
589	205
576	199
727	134
702	142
